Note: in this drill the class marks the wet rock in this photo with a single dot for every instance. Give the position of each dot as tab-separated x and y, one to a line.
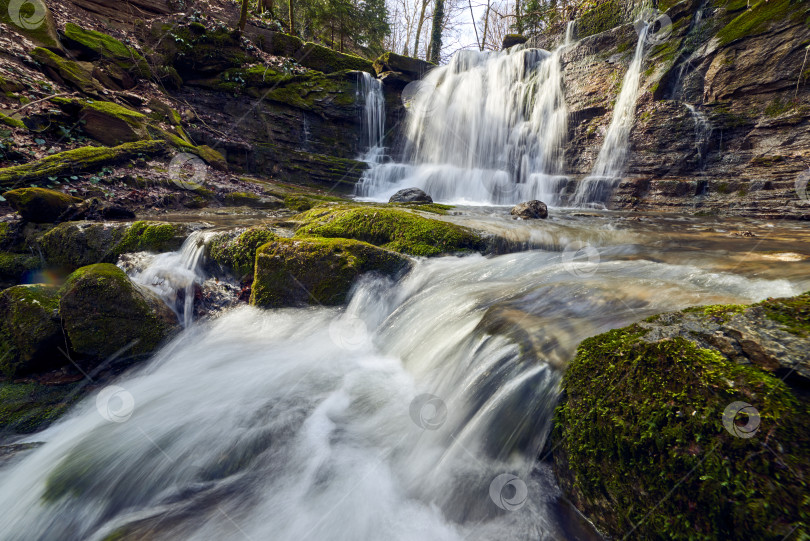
530	210
235	253
30	331
410	195
510	40
246	199
41	205
106	314
394	79
29	407
316	271
413	68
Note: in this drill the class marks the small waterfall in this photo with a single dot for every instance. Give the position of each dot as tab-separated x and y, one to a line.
175	275
370	94
613	155
703	130
488	128
569	32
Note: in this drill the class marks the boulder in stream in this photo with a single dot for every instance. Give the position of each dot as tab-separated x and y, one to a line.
30	331
530	210
411	195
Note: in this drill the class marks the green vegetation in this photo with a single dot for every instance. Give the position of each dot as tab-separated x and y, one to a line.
14	266
41	205
43	34
757	19
237	254
11	122
777	107
106	47
601	17
793	313
78	160
719	313
393	229
29	407
30	331
325	60
150	237
640	419
70	71
301	271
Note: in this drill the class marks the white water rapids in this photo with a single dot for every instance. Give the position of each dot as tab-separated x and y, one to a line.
307	424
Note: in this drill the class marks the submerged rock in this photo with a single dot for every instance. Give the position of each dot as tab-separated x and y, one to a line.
30	331
700	400
41	205
530	210
301	271
410	195
106	314
393	229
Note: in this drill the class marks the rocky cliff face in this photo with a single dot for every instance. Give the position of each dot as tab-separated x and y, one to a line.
722	118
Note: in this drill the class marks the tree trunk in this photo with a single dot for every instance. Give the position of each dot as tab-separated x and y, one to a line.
268	6
436	34
292	19
243	16
419	30
486	27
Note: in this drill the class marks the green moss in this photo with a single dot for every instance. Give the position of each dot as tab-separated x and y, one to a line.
300	271
78	160
640	429
393	229
323	59
72	72
29	407
76	244
603	17
793	313
41	205
238	254
106	47
30	331
43	34
720	313
149	237
757	19
13	267
11	122
777	107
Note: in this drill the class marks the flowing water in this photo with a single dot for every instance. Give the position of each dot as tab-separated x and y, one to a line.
394	418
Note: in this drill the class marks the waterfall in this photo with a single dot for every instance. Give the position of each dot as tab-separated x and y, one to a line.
176	272
612	158
370	94
488	128
703	130
569	32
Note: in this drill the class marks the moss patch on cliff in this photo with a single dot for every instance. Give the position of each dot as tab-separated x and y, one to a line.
603	17
757	19
393	229
793	313
104	46
648	457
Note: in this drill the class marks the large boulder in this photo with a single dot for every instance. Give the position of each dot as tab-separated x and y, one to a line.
106	314
411	195
235	252
510	40
302	271
410	67
76	74
32	20
92	45
113	124
14	267
530	210
30	331
41	205
320	58
393	229
711	401
30	407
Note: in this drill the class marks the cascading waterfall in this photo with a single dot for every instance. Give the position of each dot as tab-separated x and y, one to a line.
612	158
488	128
314	424
370	94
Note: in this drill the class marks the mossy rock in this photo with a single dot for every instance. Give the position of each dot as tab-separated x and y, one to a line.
302	271
41	205
112	124
14	267
756	20
600	18
278	43
212	157
79	160
11	122
76	244
236	253
104	314
510	40
413	68
152	237
29	407
642	448
79	75
32	20
30	331
97	45
393	229
326	60
196	51
247	199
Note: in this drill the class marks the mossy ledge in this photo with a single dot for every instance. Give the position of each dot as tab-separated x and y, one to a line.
651	411
393	229
78	160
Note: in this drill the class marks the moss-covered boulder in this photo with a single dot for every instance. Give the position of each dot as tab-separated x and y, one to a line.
301	271
393	229
104	313
76	74
11	122
29	407
326	60
275	43
14	267
97	45
79	160
40	205
657	437
32	20
510	40
413	68
30	331
235	252
113	124
153	237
